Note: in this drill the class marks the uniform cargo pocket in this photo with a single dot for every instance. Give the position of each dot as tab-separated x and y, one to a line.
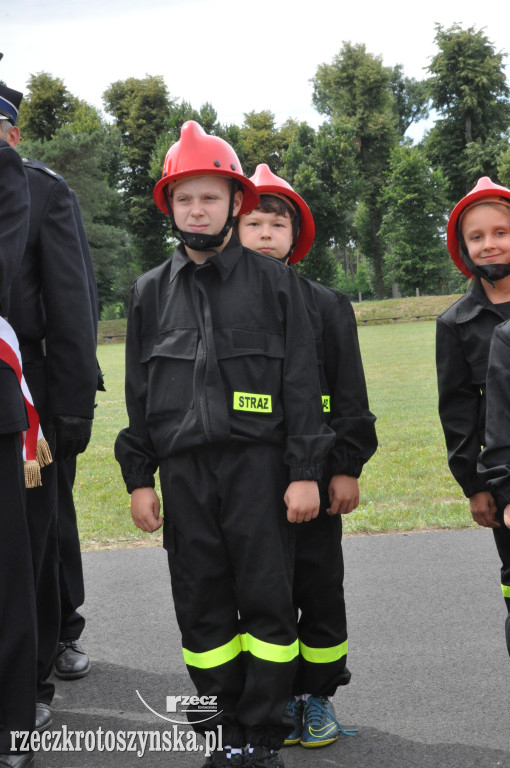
171	363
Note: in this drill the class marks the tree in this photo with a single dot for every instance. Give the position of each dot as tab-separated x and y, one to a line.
319	165
141	110
413	226
86	160
469	91
262	142
356	92
411	100
46	106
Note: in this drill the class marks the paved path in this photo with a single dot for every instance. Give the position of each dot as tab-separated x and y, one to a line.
431	674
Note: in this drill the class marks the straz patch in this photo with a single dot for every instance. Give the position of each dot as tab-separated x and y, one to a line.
247	401
326	403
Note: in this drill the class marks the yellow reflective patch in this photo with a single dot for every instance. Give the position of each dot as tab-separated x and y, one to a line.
326	403
248	401
323	655
506	590
269	651
215	657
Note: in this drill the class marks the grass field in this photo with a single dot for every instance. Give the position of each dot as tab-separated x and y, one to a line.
405	486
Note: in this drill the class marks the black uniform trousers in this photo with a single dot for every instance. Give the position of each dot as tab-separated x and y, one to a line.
17	600
230	551
320	606
42	527
72	589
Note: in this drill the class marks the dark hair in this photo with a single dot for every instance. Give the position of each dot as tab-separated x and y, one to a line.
276	204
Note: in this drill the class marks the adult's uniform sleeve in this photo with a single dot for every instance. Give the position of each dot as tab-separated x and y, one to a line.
14	209
70	334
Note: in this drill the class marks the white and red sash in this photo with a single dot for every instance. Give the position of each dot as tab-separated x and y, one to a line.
36	451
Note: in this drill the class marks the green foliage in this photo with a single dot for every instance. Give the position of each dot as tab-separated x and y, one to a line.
356	92
262	142
47	106
85	160
413	225
411	99
468	89
140	109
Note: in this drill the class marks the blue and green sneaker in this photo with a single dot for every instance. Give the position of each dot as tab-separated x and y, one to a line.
320	726
294	710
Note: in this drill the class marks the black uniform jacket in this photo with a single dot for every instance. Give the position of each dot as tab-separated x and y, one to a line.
342	378
218	352
463	340
14	211
494	462
50	297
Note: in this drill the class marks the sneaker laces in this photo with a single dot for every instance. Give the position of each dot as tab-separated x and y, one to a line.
294	707
315	712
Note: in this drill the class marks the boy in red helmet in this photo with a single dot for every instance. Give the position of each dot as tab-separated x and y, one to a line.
223	396
282	226
478	237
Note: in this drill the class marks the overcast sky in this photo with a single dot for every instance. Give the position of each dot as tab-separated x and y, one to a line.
239	56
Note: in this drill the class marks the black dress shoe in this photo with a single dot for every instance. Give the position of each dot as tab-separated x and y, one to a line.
42	716
71	661
17	761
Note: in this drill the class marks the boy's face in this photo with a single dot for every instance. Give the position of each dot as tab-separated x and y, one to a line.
486	232
269	233
200	204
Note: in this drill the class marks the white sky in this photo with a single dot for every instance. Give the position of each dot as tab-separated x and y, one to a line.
238	56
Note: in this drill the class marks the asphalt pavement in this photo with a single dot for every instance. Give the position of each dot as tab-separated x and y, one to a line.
430	668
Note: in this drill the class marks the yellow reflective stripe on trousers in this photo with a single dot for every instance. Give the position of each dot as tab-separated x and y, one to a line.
215	657
323	655
506	590
246	642
269	651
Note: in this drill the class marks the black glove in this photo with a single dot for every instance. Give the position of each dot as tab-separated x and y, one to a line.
73	435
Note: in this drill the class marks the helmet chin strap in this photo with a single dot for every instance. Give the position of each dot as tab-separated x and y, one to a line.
492	272
202	242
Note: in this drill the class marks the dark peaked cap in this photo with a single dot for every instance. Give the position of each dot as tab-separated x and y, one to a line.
9	103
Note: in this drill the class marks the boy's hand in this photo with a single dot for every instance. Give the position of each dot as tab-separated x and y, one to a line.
506	515
343	494
145	509
302	500
483	509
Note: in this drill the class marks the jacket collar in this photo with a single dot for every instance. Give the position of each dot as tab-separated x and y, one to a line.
474	302
224	261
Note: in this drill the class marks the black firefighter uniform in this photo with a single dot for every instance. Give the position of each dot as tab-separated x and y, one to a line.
17	599
464	333
223	395
319	568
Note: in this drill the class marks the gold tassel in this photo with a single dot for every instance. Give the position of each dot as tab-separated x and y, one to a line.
43	455
32	474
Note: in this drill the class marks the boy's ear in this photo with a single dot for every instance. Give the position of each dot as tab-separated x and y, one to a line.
238	201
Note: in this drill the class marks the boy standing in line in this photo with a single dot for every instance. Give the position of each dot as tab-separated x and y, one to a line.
282	226
223	396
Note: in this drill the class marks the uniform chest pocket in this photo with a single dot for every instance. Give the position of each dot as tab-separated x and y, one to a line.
251	364
170	358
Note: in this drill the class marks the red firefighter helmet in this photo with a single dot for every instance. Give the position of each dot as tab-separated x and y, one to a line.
266	183
484	188
198	154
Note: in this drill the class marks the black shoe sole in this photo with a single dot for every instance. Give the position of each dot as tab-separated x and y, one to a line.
71	675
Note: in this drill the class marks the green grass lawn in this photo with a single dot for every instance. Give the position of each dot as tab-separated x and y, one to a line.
406	485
